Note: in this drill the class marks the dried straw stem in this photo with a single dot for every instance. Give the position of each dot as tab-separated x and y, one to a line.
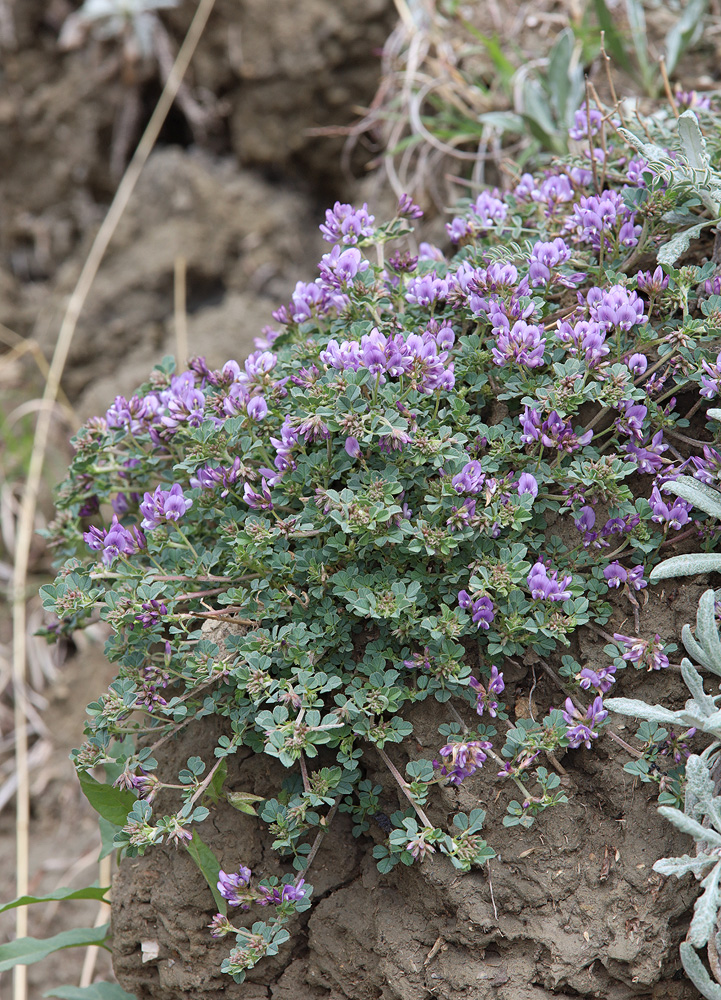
37	458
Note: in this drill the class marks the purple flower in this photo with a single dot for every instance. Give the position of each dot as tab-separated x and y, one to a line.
602	679
116	541
228	886
530	424
638	363
581	120
582	726
482	609
635	578
484	699
652	284
462	759
339	267
523	344
352	447
152	612
164	505
687	99
527	484
261	500
617	308
643	652
346	224
545	259
287	892
257	408
545	587
615	574
426	290
407	208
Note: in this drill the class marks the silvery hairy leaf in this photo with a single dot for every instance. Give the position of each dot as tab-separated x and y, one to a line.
696	972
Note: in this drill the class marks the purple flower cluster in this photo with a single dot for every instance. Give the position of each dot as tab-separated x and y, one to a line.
584	337
616	575
582	727
115	541
481	608
427	290
553	432
484	694
229	886
339	267
421	357
616	307
581	119
674	514
164	505
274	896
545	586
602	679
346	224
522	344
602	219
545	261
485	213
643	652
585	523
462	759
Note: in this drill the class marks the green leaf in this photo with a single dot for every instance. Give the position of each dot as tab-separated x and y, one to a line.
696	972
209	867
98	991
705	910
613	40
694	562
108	831
27	950
701	495
244	801
112	803
90	892
684	31
637	23
670	252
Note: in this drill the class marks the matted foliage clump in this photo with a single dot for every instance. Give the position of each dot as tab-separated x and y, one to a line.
435	464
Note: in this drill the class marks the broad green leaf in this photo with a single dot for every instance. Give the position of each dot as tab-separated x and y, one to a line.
696	972
700	494
613	40
640	710
684	31
560	68
639	36
98	991
690	826
244	801
112	803
27	950
694	562
209	867
107	837
670	252
693	143
90	892
705	910
683	865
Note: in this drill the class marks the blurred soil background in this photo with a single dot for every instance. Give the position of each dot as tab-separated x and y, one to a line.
286	108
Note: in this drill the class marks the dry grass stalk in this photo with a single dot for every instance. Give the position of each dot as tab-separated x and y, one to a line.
37	458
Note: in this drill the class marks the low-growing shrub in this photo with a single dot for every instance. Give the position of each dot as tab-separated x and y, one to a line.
431	467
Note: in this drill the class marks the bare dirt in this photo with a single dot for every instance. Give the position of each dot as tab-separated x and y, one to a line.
570	908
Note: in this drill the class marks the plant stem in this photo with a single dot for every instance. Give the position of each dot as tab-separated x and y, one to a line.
403	785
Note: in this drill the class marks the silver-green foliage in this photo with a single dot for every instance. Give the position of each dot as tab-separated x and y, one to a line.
707	499
692	169
701	816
